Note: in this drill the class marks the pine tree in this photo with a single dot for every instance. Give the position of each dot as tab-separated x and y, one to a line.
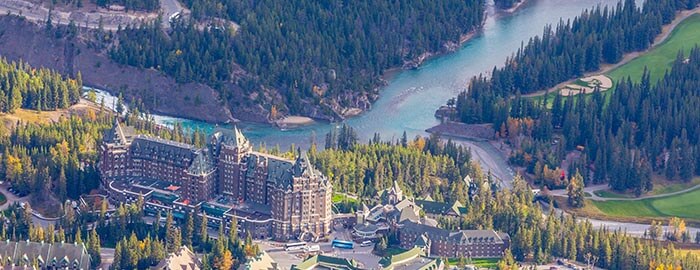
94	248
189	230
203	237
173	237
575	191
233	231
117	261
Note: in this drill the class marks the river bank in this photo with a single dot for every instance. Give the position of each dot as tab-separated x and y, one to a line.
294	121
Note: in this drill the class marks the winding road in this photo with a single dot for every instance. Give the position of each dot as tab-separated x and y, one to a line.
633	229
37	218
592	189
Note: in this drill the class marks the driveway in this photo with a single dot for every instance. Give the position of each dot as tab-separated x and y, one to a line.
11	198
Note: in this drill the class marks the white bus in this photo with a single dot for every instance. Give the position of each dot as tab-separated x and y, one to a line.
313	248
295	246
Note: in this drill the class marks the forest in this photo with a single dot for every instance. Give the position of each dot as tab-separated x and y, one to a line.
640	129
625	138
22	86
308	51
536	235
422	166
186	53
596	37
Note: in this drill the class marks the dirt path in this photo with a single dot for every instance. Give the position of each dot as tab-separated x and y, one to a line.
85	17
605	68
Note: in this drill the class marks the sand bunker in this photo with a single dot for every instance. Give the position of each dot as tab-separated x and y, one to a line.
601	81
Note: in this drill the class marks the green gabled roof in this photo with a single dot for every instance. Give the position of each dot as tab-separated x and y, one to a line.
402	257
439	208
458	208
326	261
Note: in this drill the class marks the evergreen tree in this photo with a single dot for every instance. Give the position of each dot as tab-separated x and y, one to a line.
189	230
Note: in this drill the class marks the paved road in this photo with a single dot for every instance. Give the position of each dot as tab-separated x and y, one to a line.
592	189
107	257
169	8
11	198
111	20
632	229
490	159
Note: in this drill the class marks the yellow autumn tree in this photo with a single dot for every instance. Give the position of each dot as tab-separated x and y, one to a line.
225	262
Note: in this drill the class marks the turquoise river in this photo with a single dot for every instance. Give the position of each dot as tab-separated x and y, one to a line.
411	97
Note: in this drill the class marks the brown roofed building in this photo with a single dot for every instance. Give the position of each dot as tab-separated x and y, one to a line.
182	259
36	255
453	244
298	197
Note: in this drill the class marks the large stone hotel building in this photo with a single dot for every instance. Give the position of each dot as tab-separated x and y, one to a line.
269	196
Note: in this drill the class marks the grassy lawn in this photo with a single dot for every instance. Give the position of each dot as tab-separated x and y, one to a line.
611	194
658	60
483	262
663	188
338	197
684	205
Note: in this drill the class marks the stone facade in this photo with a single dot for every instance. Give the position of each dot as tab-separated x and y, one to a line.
290	196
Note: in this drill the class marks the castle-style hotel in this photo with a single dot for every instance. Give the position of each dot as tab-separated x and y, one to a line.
269	196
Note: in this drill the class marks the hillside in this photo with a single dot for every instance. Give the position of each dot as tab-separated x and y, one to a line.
321	60
68	53
266	59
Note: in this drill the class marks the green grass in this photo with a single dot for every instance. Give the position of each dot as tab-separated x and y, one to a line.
674	187
659	59
610	194
3	199
338	198
684	205
481	262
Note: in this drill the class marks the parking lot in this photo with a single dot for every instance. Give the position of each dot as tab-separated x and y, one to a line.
285	259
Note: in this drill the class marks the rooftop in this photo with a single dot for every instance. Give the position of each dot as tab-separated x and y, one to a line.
183	258
327	262
462	236
59	254
438	208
